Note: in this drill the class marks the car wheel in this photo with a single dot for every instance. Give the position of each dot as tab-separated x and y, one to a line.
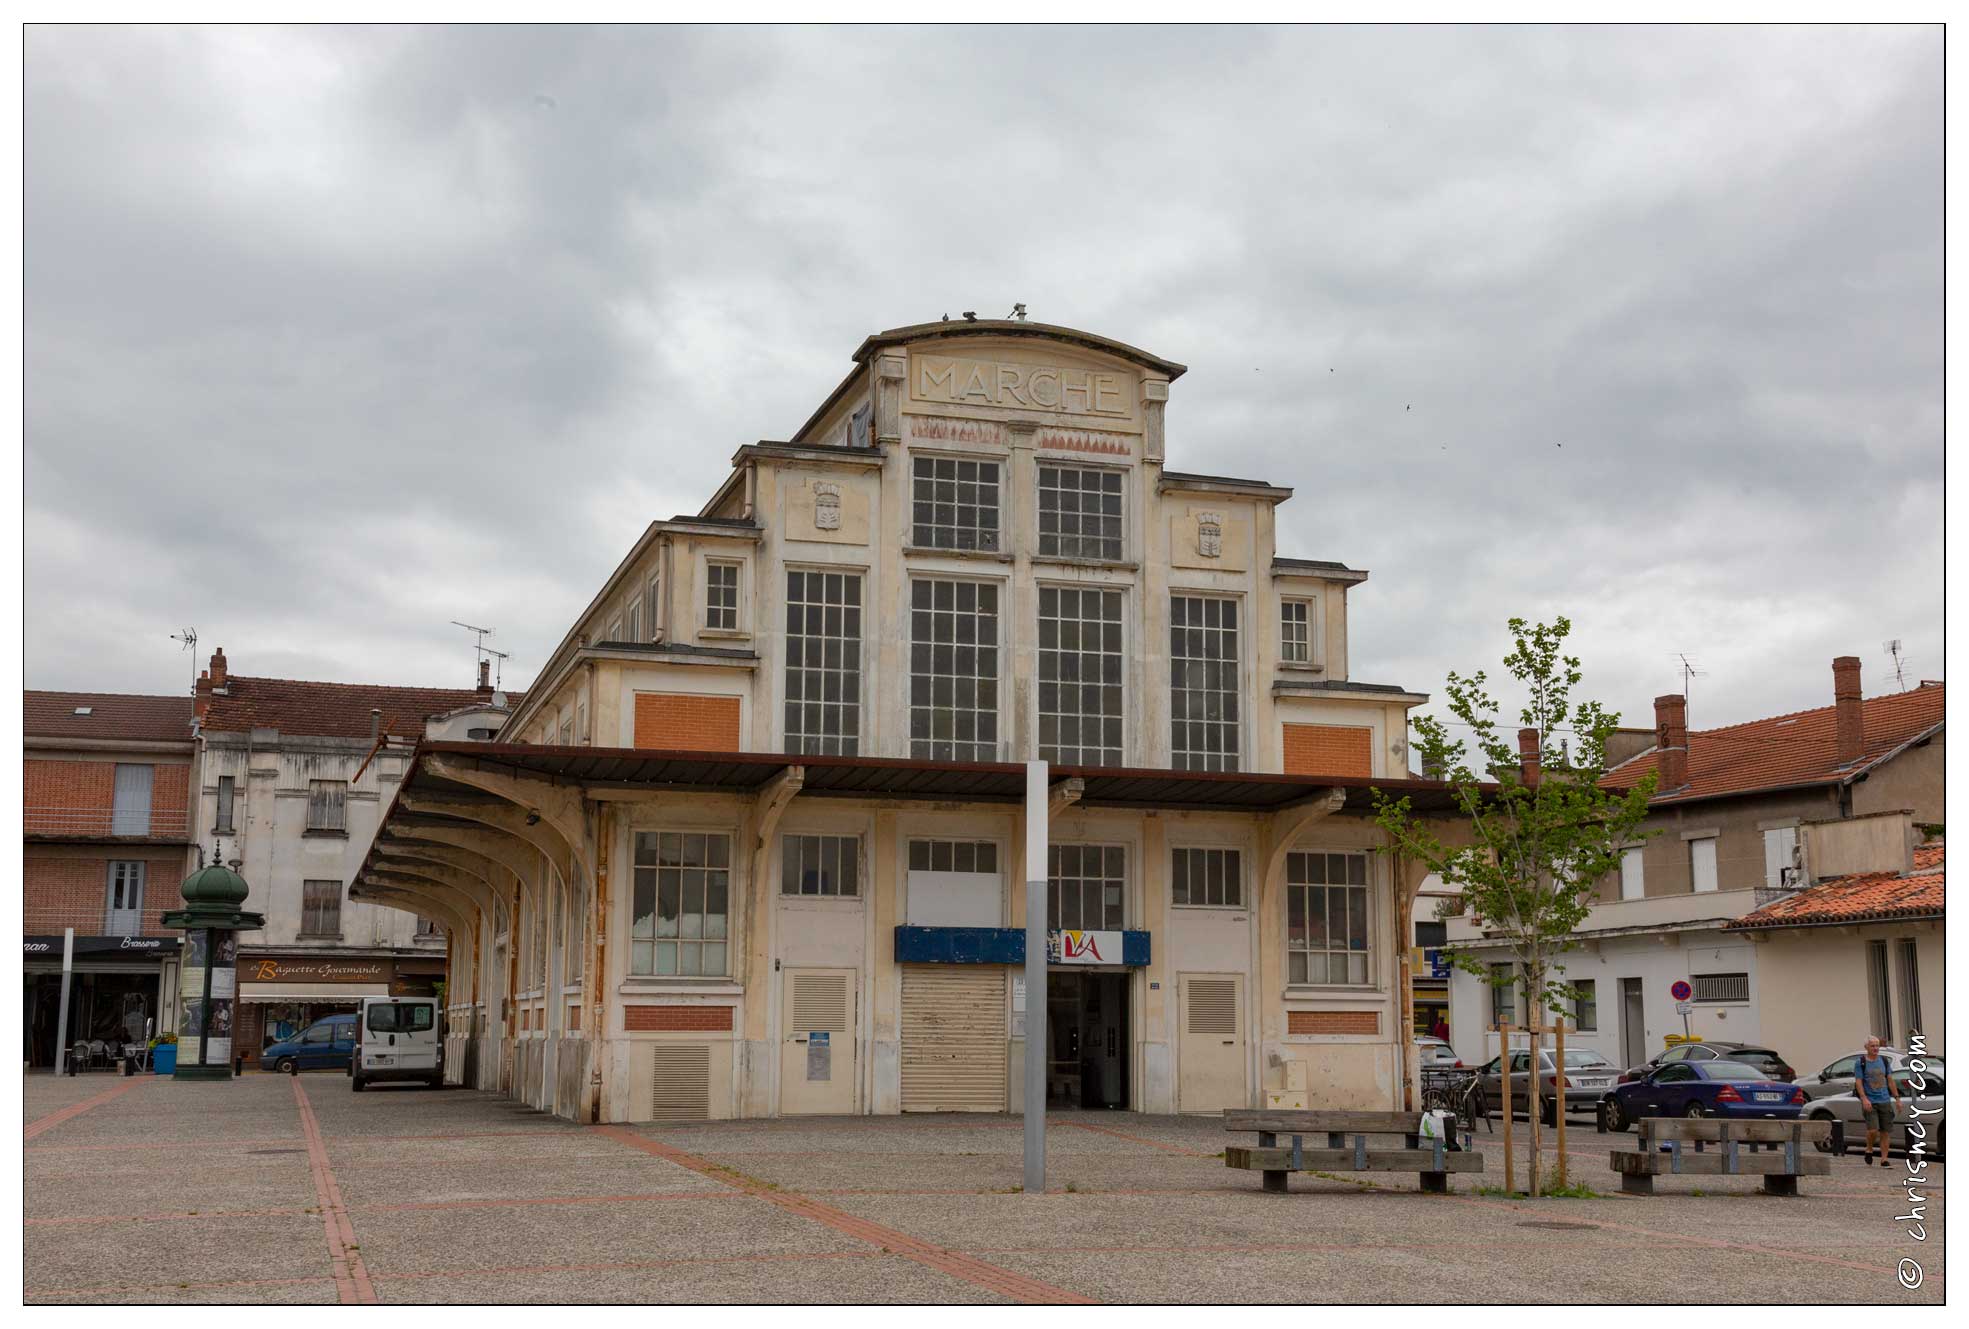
1696	1110
1616	1115
1824	1146
357	1084
287	1066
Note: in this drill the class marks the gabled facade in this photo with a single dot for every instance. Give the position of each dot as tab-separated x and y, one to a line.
293	777
1742	816
766	771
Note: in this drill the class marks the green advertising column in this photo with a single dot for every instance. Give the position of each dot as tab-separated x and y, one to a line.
209	968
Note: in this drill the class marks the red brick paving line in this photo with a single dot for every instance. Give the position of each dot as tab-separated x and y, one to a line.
964	1267
352	1283
74	1110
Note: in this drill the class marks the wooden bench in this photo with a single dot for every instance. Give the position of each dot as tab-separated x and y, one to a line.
1778	1151
1434	1160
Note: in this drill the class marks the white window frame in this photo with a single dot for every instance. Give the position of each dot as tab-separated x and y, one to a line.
1702	849
822	848
1311	607
132	874
1633	873
737	626
848	741
654	607
132	797
1055	851
653	937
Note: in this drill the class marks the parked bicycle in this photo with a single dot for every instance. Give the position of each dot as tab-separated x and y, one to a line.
1455	1089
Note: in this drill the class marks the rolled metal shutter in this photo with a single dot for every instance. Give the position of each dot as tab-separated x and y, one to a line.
953	1038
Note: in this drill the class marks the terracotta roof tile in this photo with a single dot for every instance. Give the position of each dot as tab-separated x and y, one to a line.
1787	750
112	715
1860	898
331	710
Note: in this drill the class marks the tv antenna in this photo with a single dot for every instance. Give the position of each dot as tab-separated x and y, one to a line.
1689	671
499	664
481	652
190	639
1893	649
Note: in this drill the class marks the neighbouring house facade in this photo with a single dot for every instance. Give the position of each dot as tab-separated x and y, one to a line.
1860	951
107	841
1743	816
753	844
293	776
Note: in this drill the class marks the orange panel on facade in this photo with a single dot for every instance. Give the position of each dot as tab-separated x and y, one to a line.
1332	1022
1328	749
685	721
647	1018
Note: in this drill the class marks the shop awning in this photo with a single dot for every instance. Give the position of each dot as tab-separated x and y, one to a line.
311	991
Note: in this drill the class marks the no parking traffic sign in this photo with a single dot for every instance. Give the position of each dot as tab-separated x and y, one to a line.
1680	989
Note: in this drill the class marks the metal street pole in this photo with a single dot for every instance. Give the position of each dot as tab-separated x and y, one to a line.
61	1019
1036	838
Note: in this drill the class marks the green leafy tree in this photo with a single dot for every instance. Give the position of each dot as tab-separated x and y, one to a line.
1538	844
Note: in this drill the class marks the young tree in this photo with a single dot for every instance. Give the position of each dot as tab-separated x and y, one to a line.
1542	834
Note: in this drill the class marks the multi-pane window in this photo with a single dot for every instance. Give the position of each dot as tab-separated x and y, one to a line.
1079	512
1326	918
953	670
721	596
819	865
652	623
1295	632
125	914
328	805
1503	995
632	620
955	503
1080	667
1084	886
682	903
222	817
953	856
321	908
1205	721
823	663
1207	877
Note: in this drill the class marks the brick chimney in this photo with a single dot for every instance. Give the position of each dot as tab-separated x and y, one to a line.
485	677
219	667
201	697
1848	716
1672	741
1528	763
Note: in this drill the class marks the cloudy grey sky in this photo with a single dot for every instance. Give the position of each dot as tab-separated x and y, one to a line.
335	335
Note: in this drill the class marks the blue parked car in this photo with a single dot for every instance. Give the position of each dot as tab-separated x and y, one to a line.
327	1044
1702	1089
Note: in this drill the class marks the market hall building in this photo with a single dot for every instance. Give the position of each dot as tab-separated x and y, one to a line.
752	844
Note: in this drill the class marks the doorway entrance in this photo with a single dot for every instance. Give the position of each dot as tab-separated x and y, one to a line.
1087	1028
1633	1026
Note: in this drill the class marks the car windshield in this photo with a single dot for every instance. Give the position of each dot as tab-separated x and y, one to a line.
1733	1070
399	1017
1755	1054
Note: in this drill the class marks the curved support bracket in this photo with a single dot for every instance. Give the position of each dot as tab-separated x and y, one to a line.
499	815
540	802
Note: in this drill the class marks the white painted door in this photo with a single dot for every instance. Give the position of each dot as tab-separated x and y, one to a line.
817	1041
1210	1056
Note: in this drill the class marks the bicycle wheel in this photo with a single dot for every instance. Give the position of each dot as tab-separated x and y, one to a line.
1435	1100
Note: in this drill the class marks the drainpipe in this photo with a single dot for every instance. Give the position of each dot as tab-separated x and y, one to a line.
509	1078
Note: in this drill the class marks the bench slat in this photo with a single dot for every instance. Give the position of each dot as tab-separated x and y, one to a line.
1280	1121
1636	1163
1342	1160
1713	1129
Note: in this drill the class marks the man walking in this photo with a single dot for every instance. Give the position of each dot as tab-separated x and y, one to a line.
1880	1100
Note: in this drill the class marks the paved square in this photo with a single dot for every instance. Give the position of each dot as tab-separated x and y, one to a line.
305	1192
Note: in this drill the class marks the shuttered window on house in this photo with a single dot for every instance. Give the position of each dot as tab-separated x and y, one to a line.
328	805
321	908
131	812
1878	1009
1910	966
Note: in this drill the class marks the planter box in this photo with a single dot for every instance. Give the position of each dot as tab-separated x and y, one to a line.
164	1059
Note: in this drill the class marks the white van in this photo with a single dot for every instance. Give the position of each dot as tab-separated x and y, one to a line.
397	1038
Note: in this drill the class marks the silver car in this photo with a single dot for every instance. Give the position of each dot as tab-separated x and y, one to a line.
1838	1077
1588	1079
1845	1108
1431	1051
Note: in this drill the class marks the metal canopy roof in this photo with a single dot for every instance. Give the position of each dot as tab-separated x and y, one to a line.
896	777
